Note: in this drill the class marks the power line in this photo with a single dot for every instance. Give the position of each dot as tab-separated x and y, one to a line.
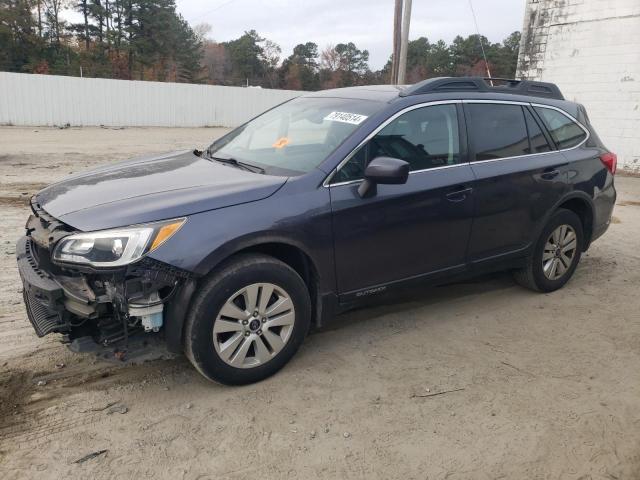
475	20
223	4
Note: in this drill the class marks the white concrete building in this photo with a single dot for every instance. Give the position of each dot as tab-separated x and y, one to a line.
591	49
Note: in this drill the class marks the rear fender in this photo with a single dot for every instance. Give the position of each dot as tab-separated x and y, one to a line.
576	194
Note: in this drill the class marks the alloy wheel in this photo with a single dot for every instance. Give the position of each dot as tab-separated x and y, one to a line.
253	325
559	252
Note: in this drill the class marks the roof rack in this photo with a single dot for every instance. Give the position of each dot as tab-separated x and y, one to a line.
484	84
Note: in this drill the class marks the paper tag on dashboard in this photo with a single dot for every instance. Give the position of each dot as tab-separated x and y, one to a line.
345	117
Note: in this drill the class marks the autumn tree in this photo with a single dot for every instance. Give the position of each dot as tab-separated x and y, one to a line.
343	65
271	60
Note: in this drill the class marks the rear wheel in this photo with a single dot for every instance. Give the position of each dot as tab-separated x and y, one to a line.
247	320
556	254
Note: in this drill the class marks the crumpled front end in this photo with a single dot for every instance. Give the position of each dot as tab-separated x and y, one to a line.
105	310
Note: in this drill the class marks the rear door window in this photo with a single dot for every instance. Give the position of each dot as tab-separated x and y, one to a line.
497	130
564	131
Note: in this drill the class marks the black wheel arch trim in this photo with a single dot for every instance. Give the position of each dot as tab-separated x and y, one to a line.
255	240
574	195
323	302
175	315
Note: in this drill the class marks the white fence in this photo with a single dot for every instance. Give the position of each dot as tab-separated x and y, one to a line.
27	99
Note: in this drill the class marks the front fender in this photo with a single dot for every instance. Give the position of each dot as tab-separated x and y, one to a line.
254	239
300	218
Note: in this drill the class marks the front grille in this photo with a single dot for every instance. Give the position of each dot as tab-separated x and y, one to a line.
43	319
43	296
44	229
32	256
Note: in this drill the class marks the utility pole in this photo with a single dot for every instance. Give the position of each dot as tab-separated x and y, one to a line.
404	43
395	58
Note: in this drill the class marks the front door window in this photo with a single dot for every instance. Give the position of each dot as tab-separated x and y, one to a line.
425	137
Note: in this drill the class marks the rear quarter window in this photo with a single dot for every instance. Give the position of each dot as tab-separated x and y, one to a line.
564	131
537	139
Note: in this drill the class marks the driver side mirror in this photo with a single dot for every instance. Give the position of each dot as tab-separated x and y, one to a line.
383	170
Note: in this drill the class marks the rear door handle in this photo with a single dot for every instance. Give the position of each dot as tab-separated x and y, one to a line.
550	175
459	195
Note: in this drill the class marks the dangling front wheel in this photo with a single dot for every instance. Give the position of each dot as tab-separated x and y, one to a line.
247	320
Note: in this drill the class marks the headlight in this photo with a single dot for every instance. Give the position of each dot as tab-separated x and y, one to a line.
117	247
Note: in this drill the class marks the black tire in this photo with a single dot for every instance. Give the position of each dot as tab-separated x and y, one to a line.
232	276
532	275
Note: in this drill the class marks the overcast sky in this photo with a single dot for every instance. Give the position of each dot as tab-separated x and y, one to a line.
367	23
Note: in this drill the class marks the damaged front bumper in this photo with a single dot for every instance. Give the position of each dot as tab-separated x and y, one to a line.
93	309
43	296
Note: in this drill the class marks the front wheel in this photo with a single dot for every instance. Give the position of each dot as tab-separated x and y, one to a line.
556	254
247	320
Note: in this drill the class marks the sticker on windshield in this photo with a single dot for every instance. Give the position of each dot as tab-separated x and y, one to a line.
345	117
281	143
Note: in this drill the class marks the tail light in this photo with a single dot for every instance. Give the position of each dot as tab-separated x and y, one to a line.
610	161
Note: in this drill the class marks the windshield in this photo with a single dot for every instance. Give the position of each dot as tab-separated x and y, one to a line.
296	136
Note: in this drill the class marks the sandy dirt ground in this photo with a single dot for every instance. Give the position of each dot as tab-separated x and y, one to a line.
530	386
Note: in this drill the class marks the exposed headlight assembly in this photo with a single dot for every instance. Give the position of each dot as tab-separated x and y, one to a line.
116	247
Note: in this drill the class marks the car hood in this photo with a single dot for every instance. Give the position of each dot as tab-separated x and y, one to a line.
150	189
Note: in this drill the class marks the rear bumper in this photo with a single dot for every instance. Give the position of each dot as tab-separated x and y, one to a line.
604	204
43	295
599	231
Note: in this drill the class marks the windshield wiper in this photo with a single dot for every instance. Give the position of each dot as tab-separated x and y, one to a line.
237	163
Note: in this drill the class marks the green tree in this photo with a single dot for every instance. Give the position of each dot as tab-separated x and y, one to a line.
467	52
352	59
18	38
82	29
245	54
187	52
305	54
301	68
506	58
441	61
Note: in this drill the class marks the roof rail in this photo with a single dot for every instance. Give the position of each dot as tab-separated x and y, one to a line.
481	84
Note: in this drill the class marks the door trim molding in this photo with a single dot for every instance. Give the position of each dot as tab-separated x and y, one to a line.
372	290
326	183
360	180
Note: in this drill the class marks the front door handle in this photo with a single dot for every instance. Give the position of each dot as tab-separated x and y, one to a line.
459	195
